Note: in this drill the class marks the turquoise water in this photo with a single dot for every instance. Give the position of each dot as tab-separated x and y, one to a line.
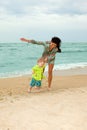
18	58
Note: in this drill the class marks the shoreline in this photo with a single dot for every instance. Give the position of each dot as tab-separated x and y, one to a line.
70	72
65	79
57	72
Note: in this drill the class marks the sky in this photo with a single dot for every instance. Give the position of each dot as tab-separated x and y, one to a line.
43	19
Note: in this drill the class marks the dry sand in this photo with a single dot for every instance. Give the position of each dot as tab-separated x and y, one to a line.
62	108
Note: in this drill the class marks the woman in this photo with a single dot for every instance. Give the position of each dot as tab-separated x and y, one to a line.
50	50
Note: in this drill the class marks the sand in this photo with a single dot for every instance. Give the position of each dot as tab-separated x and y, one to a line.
62	108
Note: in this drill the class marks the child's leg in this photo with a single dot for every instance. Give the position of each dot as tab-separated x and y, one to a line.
29	89
36	87
32	84
38	84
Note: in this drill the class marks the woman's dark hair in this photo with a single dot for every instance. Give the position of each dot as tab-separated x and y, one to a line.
57	41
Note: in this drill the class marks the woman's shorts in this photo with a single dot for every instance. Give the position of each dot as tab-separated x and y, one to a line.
51	61
35	82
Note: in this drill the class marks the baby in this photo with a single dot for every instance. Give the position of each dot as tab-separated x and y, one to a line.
37	74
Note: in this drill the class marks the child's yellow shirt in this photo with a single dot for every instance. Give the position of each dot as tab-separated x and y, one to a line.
38	72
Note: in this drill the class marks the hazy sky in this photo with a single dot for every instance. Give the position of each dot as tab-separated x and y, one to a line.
43	19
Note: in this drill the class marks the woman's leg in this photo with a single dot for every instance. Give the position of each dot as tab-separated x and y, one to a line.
50	70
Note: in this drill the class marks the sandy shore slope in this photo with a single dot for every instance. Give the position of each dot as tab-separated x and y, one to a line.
62	108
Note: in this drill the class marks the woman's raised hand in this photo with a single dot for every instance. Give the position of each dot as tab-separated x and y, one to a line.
25	40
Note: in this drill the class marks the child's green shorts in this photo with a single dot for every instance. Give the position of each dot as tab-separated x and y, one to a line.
35	82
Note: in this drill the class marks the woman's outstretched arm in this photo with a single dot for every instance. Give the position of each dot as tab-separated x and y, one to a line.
26	40
34	41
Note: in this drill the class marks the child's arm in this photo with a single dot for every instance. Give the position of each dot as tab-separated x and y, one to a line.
33	71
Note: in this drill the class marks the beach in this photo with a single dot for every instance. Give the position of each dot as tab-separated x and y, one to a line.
64	107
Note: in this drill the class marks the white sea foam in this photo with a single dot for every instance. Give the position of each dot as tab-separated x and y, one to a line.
70	66
56	67
15	74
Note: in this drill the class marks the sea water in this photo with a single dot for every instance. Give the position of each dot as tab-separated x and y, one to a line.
17	59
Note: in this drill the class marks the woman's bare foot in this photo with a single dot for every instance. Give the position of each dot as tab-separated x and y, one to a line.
49	89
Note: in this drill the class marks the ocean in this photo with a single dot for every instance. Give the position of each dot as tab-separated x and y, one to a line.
17	59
